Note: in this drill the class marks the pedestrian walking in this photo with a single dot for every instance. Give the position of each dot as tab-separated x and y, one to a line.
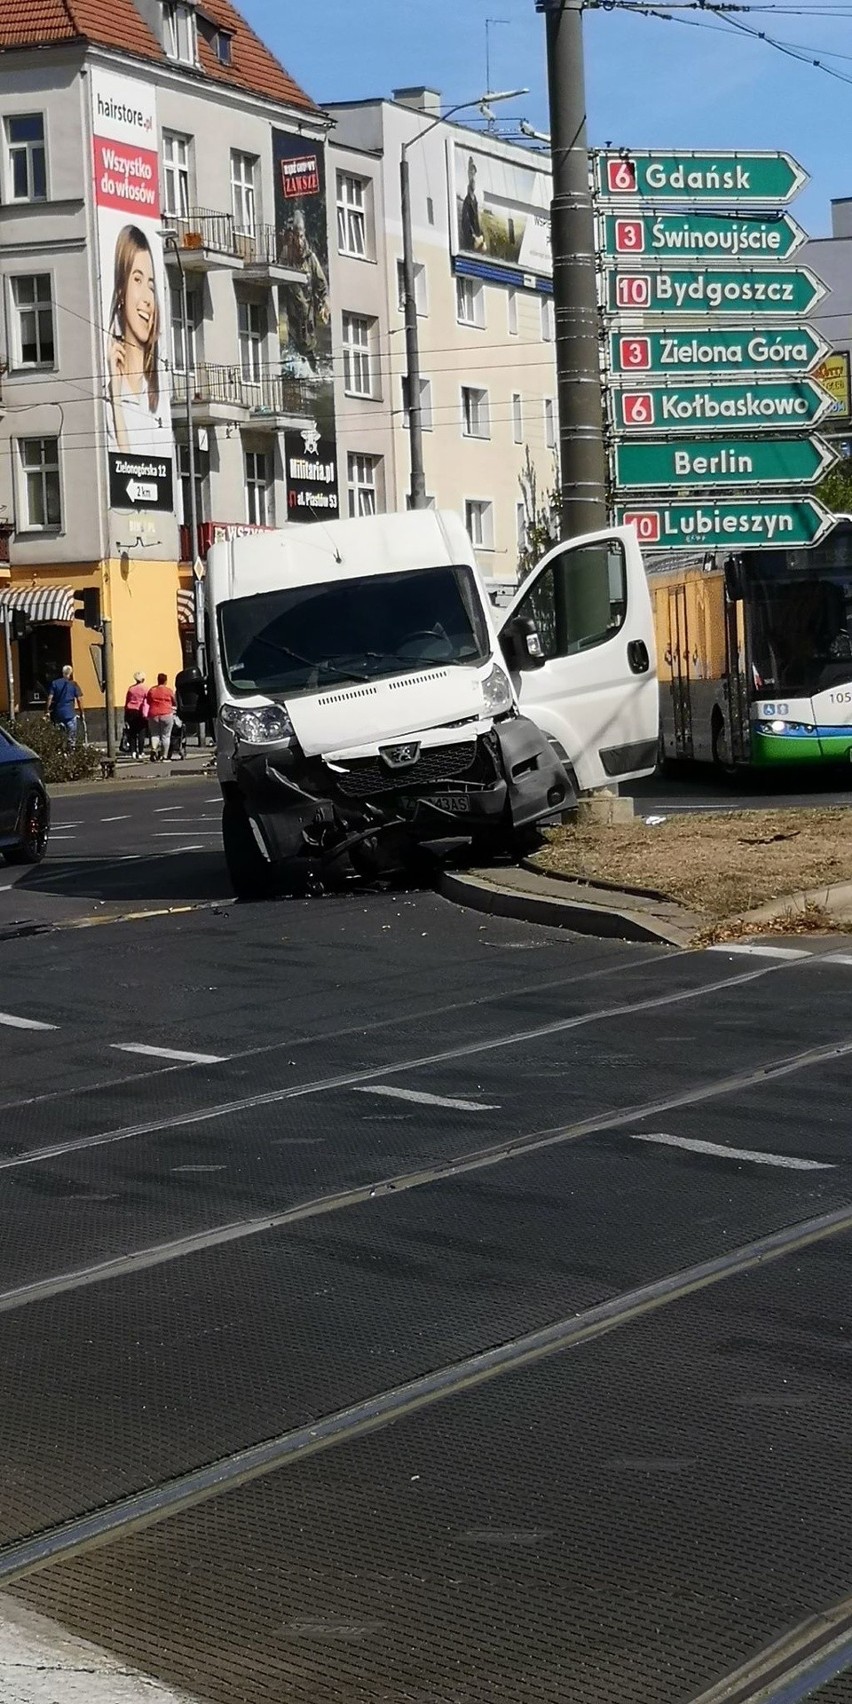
134	716
161	705
65	704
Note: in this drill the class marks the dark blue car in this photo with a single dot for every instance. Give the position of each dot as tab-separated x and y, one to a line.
24	804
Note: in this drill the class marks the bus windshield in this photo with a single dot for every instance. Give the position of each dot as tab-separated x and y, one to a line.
801	633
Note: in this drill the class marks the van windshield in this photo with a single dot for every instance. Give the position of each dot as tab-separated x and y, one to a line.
308	638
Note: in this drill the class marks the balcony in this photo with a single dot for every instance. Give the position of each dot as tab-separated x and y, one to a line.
223	395
210	242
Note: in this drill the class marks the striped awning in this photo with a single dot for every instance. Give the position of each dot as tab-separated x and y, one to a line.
186	608
40	603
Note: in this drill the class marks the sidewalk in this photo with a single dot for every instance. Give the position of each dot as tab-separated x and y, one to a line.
42	1664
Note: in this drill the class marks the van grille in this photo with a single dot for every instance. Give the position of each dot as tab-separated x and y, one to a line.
438	763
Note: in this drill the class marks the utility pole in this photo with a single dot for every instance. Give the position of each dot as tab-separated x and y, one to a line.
109	686
172	243
572	227
10	676
417	490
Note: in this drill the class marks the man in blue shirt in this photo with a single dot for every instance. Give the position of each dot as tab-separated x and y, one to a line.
65	703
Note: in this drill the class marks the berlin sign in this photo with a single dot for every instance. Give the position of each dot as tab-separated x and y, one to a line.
757	407
767	463
716	236
662	354
780	521
744	292
750	178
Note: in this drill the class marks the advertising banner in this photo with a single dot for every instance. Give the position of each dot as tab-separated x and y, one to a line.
138	428
833	375
304	320
501	213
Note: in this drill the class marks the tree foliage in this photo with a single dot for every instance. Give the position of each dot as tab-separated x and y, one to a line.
542	514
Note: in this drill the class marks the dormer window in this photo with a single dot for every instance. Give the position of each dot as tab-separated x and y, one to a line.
219	40
222	45
179	37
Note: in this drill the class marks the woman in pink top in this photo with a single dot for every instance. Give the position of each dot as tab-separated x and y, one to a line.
134	715
160	705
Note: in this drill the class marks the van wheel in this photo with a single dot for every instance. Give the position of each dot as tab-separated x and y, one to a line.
251	876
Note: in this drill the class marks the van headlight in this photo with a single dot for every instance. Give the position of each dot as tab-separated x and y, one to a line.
267	724
497	693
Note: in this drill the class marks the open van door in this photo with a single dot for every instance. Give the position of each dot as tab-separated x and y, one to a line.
579	641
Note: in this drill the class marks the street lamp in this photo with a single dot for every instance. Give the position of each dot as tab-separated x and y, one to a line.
417	496
170	241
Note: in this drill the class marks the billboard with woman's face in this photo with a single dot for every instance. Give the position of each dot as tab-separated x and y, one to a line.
137	417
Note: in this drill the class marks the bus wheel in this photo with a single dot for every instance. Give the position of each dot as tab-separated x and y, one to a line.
721	747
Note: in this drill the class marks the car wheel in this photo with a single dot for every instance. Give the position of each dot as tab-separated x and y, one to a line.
252	877
32	845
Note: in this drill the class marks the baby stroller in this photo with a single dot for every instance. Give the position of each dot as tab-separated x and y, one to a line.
177	743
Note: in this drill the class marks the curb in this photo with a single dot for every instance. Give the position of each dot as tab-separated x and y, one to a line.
496	899
81	789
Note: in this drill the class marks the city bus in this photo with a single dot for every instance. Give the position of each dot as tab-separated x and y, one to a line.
755	655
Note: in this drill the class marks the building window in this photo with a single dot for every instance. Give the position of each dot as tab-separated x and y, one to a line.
175	175
259	503
33	328
362	483
357	366
517	418
178	331
425	404
41	508
179	32
550	423
521	527
351	216
430	210
244	193
26	157
479	520
476	416
202	474
470	302
547	321
251	331
419	287
512	312
223	47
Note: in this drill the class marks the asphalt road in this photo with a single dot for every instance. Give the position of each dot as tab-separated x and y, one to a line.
398	1307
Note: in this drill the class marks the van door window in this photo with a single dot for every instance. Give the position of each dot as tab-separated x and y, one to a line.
580	599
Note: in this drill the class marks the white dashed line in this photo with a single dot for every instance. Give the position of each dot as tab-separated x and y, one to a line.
163	810
116	818
718	1149
178	833
424	1099
169	1053
837	958
759	951
61	825
24	1023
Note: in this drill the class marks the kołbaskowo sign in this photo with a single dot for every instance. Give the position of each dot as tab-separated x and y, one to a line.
672	526
763	178
689	408
125	166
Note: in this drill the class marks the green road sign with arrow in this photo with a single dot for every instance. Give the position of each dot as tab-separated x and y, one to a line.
707	236
757	178
680	354
700	292
655	464
788	522
759	406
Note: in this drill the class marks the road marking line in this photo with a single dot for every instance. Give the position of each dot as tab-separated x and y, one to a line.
788	1161
61	825
125	818
838	958
173	849
758	951
24	1023
178	833
163	810
426	1100
169	1053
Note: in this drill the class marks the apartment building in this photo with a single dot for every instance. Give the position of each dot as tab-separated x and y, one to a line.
163	234
831	260
481	239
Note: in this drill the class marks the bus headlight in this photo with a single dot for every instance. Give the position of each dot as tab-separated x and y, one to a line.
265	724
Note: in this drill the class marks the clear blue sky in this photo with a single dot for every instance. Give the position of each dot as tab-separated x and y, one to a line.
651	83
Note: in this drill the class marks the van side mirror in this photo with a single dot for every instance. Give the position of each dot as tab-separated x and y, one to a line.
193	696
522	645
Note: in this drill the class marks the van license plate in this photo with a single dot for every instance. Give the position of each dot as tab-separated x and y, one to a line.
458	804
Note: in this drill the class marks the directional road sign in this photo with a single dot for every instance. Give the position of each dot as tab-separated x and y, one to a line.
767	464
743	293
679	354
781	521
756	406
707	236
763	179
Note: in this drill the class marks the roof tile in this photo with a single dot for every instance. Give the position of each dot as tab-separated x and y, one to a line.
117	24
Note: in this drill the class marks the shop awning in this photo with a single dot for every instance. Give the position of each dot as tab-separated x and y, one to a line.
40	603
186	608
